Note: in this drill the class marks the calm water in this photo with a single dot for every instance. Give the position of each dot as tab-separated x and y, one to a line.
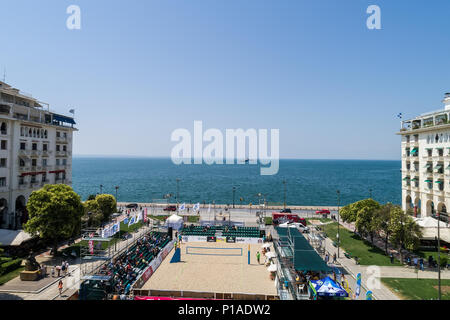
309	182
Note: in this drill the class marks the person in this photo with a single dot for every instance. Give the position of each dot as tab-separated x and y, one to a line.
63	267
53	272
391	256
421	264
334	257
327	258
60	287
415	262
67	267
58	269
258	256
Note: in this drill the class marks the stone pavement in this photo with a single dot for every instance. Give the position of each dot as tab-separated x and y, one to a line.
71	282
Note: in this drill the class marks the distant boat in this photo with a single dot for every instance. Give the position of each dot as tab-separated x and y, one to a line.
247	160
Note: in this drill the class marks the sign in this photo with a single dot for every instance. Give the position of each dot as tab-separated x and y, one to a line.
231	239
221	239
211	239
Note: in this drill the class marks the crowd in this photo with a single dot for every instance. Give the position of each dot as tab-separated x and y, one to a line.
126	268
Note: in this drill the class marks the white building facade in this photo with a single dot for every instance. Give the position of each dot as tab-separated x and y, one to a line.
35	149
426	162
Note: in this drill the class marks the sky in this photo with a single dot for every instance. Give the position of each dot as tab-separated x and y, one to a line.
139	69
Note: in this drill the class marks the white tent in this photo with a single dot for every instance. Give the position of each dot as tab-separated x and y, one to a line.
175	222
428	222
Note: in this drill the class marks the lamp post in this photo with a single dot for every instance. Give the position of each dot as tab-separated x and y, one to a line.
101	188
234	192
439	257
284	203
117	188
178	181
338	237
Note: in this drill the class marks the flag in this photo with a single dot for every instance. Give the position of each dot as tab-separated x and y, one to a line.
209	208
369	295
400	115
145	215
139	217
91	244
72	111
196	207
131	221
358	285
182	207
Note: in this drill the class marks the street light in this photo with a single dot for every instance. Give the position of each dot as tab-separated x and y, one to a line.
178	180
101	187
234	192
284	205
338	238
439	257
117	188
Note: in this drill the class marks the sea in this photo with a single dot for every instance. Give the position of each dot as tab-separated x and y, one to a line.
308	182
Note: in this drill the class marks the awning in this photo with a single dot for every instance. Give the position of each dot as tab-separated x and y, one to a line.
439	166
414	150
428	180
439	148
415	179
427	166
407	178
57	117
439	181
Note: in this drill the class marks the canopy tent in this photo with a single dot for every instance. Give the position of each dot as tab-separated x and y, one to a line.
272	267
175	222
328	288
265	245
270	254
428	222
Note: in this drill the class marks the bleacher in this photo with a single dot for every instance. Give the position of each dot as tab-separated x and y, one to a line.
121	276
226	231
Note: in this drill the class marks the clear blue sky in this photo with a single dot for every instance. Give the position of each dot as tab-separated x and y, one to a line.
137	70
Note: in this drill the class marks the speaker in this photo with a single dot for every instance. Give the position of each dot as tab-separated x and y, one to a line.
169	232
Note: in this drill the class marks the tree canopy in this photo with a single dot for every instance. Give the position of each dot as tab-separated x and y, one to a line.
54	213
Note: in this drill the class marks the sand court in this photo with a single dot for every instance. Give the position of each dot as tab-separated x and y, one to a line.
214	267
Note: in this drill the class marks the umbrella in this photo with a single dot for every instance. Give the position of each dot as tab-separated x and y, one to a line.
270	254
272	267
266	245
328	288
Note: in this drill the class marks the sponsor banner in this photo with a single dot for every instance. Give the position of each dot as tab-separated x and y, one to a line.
231	239
211	239
221	239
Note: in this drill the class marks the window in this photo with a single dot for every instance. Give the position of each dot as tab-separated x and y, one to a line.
65	135
57	147
44	162
441	152
2	182
34	146
23	146
64	148
21	163
44	177
33	179
57	162
21	181
3	128
44	147
33	162
3	144
3	163
64	161
58	134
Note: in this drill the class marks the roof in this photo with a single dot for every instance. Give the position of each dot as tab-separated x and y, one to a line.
13	237
304	256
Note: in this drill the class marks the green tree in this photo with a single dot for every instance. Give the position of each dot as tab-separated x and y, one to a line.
366	222
107	205
383	222
92	214
405	232
91	197
54	213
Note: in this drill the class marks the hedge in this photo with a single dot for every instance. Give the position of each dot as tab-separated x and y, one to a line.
10	266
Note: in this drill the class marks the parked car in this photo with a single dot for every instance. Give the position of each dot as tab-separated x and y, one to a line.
287	210
132	206
324	211
170	208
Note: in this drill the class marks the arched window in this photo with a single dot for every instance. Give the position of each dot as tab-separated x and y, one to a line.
45	134
3	128
30	133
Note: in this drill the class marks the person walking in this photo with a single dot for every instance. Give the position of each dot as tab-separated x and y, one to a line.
60	287
391	256
327	258
258	256
334	257
67	268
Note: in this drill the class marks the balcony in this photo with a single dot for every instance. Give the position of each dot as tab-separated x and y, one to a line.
4	188
24	169
24	152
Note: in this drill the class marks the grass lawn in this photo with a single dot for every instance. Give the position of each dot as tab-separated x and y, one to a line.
418	289
193	219
10	275
268	221
351	243
160	218
323	220
426	253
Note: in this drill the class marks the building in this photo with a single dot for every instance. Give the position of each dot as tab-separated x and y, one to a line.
426	162
35	149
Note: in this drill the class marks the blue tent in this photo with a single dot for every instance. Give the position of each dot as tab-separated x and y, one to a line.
328	288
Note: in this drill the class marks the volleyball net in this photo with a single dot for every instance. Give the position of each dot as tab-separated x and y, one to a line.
214	251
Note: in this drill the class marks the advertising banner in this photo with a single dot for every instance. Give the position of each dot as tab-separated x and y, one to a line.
231	239
211	239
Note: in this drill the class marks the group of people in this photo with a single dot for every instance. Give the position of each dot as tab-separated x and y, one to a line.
302	279
124	269
61	270
327	258
419	263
